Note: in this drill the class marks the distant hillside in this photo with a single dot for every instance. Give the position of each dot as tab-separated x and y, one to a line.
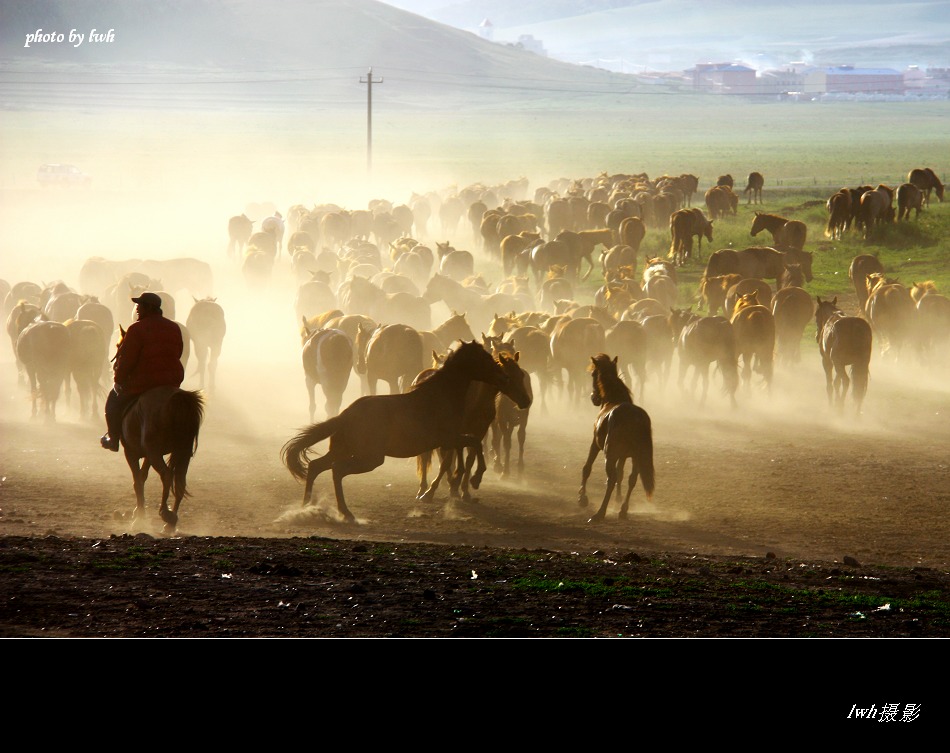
308	48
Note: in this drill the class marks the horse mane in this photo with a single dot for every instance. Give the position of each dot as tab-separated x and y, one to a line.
608	383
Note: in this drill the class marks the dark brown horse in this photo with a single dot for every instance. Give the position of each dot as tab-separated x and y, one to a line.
844	341
892	313
572	342
926	180
753	188
876	208
163	422
43	349
623	431
684	224
391	352
510	417
403	425
764	262
839	214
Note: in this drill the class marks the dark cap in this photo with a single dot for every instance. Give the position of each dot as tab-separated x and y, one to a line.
148	300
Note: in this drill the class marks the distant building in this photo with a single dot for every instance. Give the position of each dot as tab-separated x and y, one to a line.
528	42
723	78
486	30
780	81
846	79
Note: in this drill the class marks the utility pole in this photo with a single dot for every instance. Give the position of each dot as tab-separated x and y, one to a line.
369	118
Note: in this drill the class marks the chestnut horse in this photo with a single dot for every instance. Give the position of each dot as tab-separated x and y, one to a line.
623	431
753	188
785	233
926	180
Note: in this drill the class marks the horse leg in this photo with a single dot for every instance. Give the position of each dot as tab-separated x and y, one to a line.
139	475
345	467
497	431
314	468
476	478
631	482
522	433
612	471
447	455
213	365
829	387
585	473
311	392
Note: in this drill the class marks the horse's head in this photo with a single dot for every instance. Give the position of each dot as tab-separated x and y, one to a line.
823	312
758	224
518	387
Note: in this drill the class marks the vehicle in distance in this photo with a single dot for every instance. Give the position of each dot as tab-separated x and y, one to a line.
62	175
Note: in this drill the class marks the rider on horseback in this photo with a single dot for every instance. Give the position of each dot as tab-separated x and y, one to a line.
149	355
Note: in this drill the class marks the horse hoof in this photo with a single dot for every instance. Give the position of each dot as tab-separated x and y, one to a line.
582	500
595	519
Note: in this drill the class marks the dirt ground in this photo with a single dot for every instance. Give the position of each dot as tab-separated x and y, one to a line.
779	519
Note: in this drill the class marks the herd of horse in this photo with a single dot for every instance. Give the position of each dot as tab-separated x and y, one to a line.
365	305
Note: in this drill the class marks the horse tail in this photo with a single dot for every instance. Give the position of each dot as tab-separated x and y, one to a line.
860	375
294	452
423	461
186	409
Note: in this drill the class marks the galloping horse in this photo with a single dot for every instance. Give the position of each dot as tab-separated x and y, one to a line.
162	422
843	341
403	425
926	180
785	232
753	188
622	430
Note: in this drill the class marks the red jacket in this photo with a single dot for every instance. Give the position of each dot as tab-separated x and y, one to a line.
149	355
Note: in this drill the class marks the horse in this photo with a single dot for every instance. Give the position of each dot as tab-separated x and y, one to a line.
240	228
764	262
933	319
391	352
622	430
753	188
162	422
792	309
861	266
631	232
534	347
43	349
207	327
839	214
402	425
703	341
892	313
684	224
721	201
572	342
785	232
22	315
87	353
743	286
926	180
875	208
327	358
509	415
844	341
909	197
629	340
754	328
712	291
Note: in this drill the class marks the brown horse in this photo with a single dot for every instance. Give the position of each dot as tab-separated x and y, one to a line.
754	328
327	357
712	291
876	208
629	340
510	417
391	352
839	214
703	341
909	198
87	353
753	188
764	262
402	425
572	342
786	233
43	349
861	266
721	201
844	341
926	180
684	224
793	309
892	313
622	430
163	422
631	233
744	286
